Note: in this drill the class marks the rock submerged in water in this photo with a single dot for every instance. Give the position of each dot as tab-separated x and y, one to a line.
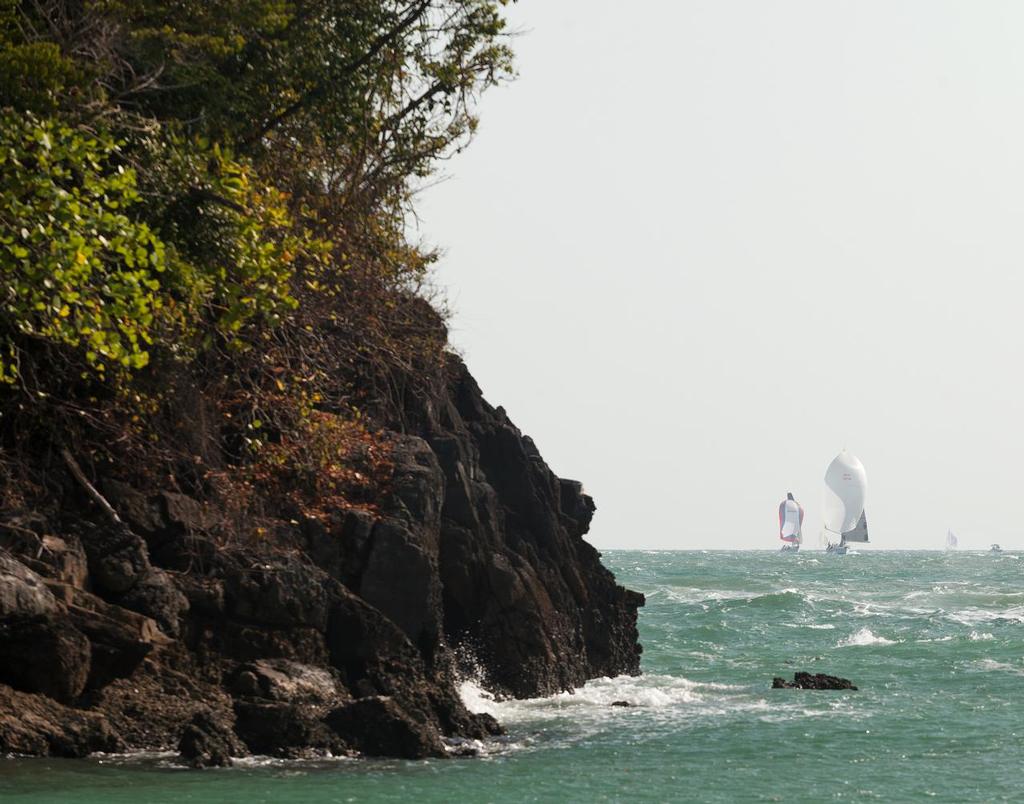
813	681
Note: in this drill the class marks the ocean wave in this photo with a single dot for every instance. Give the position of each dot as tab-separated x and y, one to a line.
975	616
693	595
595	698
160	758
689	595
993	665
864	637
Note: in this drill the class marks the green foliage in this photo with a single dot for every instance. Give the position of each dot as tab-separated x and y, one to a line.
82	270
207	199
35	71
234	231
77	270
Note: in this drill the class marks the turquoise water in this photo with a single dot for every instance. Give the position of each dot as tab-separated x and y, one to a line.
935	641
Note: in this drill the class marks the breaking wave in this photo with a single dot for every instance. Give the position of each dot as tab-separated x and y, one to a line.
864	637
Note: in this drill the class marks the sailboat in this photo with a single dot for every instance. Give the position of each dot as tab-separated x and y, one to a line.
951	541
791	520
845	492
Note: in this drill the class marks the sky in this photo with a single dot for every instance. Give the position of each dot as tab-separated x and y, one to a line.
698	248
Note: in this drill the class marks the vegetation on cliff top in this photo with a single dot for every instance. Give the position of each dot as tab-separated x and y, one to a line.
206	277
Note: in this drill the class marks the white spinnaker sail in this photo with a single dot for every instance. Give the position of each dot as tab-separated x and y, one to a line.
845	492
859	533
790	517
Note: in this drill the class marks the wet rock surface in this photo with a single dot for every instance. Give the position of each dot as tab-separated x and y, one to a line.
347	634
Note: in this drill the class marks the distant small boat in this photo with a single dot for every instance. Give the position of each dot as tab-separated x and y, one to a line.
791	520
846	486
951	542
996	549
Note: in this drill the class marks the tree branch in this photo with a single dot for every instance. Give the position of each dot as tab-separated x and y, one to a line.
90	489
386	38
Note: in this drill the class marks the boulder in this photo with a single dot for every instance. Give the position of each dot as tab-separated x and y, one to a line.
205	596
119	639
40	650
284	729
39	726
61	559
156	596
815	681
186	514
287	592
379	727
283	680
23	594
118	558
208	741
47	655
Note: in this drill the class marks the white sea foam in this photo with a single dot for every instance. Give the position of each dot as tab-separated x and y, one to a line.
162	758
974	636
639	691
650	695
477	699
864	637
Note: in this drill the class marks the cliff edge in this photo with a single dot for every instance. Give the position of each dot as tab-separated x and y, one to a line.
127	623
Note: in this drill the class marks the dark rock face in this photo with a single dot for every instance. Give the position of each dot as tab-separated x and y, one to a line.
156	596
38	725
378	727
520	584
283	730
341	635
209	742
816	681
40	651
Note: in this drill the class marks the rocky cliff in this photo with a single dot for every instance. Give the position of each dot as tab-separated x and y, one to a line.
126	623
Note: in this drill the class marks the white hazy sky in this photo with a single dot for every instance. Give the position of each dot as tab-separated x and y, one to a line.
699	247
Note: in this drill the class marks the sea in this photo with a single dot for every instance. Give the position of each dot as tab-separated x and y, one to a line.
934	642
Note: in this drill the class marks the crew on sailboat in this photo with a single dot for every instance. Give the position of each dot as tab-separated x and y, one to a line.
791	520
845	492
